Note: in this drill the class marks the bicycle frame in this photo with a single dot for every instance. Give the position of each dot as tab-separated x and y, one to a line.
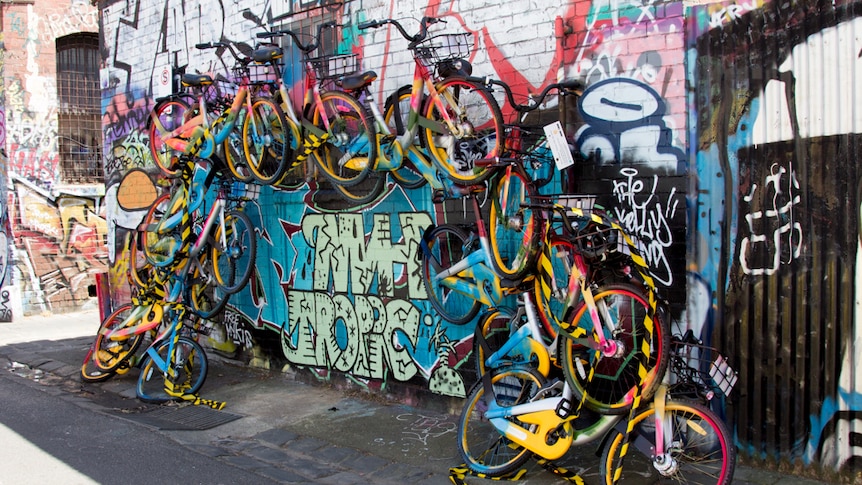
473	276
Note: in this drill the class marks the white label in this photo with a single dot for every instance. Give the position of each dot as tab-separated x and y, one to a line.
559	146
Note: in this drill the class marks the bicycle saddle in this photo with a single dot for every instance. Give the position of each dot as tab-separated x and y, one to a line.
197	80
357	81
266	54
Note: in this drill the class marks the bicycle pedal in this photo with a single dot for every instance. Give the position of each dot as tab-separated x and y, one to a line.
565	409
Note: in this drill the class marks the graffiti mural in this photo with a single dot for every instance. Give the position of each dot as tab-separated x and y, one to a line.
777	153
738	179
59	244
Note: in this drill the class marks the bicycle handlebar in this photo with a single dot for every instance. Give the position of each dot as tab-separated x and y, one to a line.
567	87
414	39
244	60
306	48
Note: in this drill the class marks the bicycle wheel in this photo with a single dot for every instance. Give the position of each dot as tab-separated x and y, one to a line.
171	113
159	248
447	245
265	140
476	115
234	153
90	372
512	229
189	362
699	448
628	321
395	113
206	299
141	271
364	192
552	307
233	259
480	444
348	154
112	353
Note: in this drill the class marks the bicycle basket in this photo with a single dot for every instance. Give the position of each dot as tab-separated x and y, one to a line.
700	371
256	74
335	66
443	47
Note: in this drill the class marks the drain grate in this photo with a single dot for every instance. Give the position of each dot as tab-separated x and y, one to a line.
192	418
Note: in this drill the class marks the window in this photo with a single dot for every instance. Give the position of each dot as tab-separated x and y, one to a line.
79	114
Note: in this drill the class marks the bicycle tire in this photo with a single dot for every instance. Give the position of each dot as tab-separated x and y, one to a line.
703	451
481	446
446	245
171	113
111	354
616	378
141	271
233	264
206	299
348	154
512	228
480	114
159	249
364	192
264	135
189	362
395	114
90	372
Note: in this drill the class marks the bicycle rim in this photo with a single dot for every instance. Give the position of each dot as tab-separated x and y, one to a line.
190	364
265	141
171	114
552	308
477	114
446	247
480	444
348	154
512	231
234	262
206	298
234	154
396	113
90	372
159	249
111	354
616	379
141	271
700	448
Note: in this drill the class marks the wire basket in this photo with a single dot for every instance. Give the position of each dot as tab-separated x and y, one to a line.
443	47
700	371
256	73
335	66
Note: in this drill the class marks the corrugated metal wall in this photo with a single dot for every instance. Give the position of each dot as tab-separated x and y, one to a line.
777	140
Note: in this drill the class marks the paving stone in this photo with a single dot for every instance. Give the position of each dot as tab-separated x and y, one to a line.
306	444
337	454
266	453
282	475
276	436
365	464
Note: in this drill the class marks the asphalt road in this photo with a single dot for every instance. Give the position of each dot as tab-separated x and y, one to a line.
49	439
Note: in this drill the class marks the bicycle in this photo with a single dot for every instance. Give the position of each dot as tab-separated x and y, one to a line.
440	124
178	128
226	233
459	280
529	144
683	440
331	126
514	412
